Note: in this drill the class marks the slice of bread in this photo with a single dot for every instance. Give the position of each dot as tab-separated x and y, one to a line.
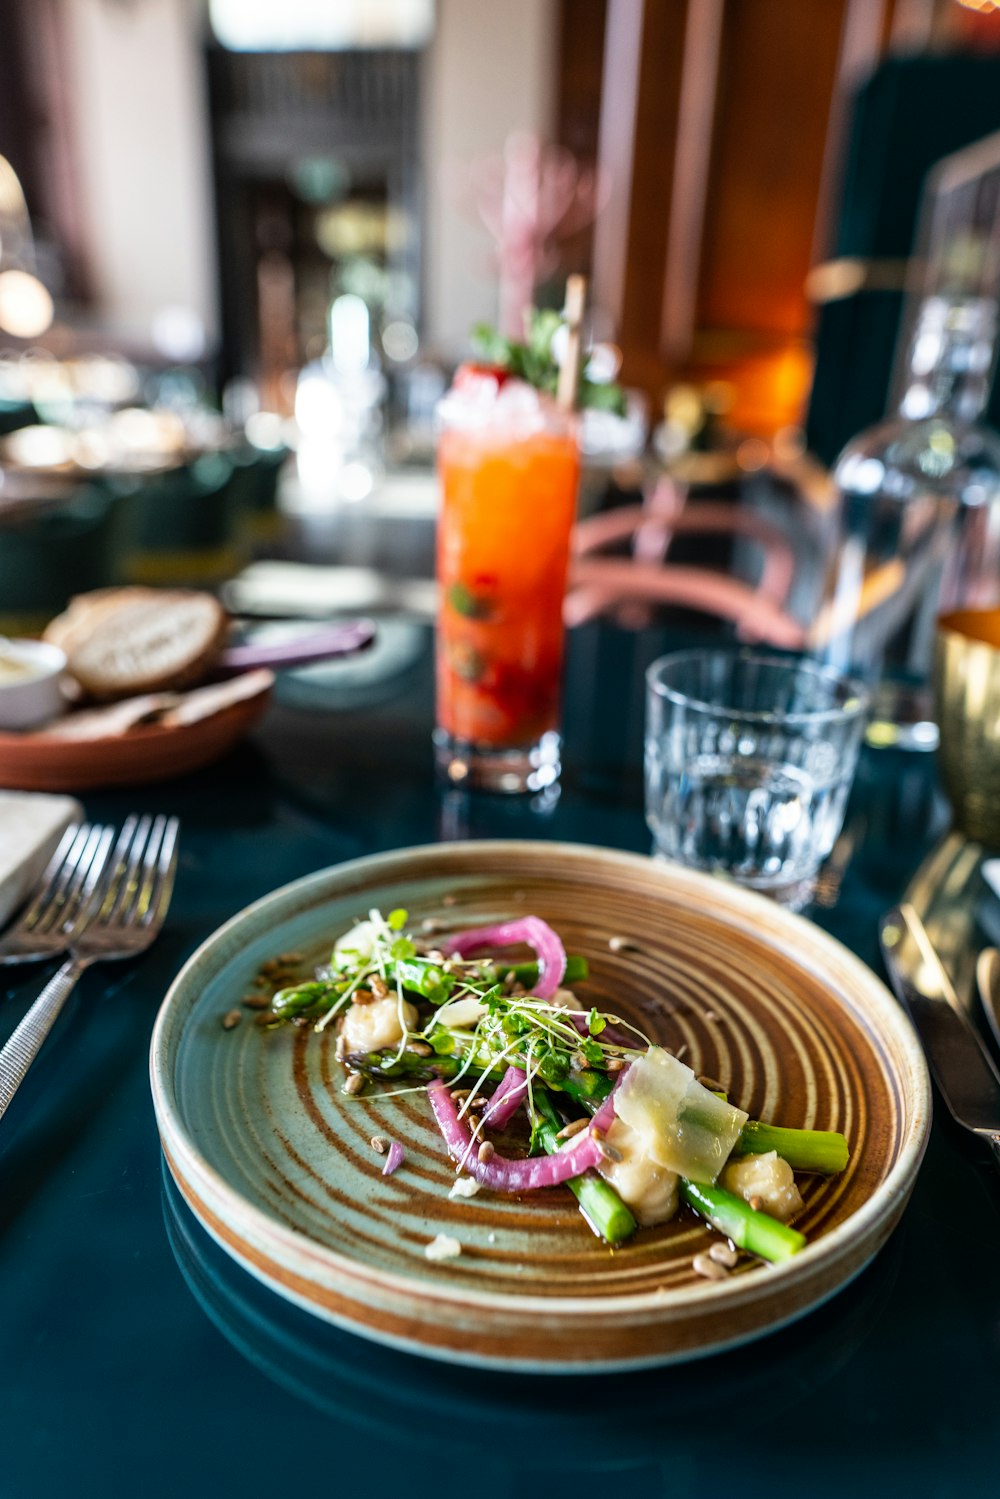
71	628
123	641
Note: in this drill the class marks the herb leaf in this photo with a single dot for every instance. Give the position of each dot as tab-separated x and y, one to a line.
467	603
534	362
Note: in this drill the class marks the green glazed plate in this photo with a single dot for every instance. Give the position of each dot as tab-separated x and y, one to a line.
276	1161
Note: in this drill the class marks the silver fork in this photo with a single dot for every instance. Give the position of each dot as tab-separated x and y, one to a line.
125	914
62	897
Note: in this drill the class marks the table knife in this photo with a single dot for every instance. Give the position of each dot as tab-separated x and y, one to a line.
988	984
962	1068
345	638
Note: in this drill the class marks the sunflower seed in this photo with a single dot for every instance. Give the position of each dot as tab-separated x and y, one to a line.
623	944
709	1268
723	1254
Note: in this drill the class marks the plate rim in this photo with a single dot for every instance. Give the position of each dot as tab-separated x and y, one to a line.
751	905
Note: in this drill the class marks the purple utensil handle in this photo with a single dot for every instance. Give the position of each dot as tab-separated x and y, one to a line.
323	645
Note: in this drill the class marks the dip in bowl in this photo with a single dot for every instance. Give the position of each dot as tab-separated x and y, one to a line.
29	683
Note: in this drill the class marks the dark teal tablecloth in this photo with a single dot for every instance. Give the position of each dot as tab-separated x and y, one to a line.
136	1358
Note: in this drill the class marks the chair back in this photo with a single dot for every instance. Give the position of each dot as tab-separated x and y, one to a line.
184	526
48	556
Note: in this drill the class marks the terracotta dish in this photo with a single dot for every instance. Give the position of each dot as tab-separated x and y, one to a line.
153	735
54	761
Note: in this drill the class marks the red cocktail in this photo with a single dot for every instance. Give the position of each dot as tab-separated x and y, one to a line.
509	466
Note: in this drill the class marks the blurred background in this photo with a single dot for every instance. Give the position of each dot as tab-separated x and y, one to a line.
242	244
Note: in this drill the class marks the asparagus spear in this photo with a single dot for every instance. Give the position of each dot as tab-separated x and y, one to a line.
588	1087
314	998
385	1065
421	976
430	981
599	1203
418	975
820	1150
749	1229
311	999
577	969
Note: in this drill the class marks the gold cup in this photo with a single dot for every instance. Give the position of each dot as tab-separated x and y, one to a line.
967	692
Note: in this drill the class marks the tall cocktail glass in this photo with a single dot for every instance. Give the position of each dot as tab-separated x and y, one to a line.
509	468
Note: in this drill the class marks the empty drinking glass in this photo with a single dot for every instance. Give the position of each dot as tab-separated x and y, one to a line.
749	762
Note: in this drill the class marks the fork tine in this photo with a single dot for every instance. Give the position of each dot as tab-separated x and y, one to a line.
79	900
120	900
137	907
62	863
166	870
68	884
117	867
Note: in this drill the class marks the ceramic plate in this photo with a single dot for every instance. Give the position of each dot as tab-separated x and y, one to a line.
154	752
276	1162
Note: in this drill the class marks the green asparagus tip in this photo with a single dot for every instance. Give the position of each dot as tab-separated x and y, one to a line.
756	1232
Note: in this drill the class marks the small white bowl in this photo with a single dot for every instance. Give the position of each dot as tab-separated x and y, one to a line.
30	697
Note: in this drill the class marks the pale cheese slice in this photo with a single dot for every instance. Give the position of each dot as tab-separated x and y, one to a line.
683	1127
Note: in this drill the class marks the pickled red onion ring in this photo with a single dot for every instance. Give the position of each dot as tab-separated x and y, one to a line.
504	1175
394	1159
530	929
505	1102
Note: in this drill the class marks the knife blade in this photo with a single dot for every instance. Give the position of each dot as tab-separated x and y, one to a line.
988	984
962	1068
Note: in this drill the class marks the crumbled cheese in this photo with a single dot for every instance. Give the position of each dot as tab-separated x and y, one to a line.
648	1189
355	946
464	1186
768	1178
444	1247
460	1014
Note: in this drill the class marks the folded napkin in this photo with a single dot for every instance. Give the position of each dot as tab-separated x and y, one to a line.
31	825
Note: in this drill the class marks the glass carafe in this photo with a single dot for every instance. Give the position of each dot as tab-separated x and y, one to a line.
918	520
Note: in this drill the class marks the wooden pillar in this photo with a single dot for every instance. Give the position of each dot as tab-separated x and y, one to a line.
616	151
692	162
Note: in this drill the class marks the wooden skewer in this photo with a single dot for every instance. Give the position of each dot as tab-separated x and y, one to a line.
569	370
